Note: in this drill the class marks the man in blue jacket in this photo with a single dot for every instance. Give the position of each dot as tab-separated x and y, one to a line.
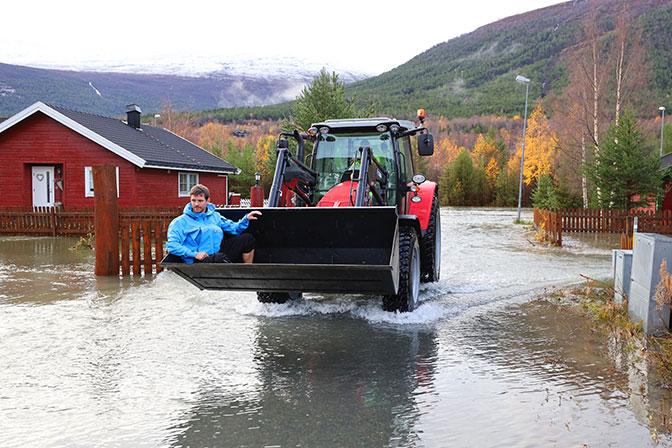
197	234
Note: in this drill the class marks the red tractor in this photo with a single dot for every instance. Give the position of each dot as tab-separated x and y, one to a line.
351	217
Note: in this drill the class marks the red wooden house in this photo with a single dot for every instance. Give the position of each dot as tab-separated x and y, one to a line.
666	164
47	154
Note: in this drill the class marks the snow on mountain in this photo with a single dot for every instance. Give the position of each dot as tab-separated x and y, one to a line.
197	67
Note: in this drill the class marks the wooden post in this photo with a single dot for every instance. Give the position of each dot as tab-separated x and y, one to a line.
147	247
135	242
106	222
256	196
125	247
158	248
52	222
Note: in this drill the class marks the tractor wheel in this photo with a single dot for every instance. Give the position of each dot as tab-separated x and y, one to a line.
406	298
431	246
277	297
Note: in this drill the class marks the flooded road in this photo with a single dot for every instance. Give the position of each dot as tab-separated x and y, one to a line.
100	362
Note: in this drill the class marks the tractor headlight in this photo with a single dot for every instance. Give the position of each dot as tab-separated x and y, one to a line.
324	130
394	128
312	131
381	128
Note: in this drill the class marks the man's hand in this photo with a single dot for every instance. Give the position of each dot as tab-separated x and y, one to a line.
253	215
201	255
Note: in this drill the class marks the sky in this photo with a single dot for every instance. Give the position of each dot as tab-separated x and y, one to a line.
364	36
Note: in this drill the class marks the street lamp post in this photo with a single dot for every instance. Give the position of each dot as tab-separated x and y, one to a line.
526	81
662	127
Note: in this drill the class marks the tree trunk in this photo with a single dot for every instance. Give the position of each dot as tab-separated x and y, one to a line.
584	183
619	80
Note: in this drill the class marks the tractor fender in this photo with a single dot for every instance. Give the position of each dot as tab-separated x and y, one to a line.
410	221
423	209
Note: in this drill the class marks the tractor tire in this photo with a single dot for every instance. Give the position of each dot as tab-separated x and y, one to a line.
430	246
277	297
406	298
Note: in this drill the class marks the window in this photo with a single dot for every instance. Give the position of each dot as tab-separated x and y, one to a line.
337	154
88	181
406	159
186	181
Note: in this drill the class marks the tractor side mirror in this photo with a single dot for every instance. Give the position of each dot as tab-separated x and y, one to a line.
425	144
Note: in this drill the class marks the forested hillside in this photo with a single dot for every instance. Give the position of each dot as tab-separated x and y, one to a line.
474	74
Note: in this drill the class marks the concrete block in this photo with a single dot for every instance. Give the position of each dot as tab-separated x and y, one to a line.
650	250
622	274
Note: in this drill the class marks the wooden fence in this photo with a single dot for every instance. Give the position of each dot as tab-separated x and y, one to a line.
141	240
601	221
142	231
615	221
549	224
46	221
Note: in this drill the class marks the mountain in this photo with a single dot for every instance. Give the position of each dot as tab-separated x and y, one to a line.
474	74
105	88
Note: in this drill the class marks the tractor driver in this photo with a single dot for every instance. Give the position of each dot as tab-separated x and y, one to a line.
198	234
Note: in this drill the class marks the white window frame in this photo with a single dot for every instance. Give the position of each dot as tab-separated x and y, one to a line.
88	181
181	193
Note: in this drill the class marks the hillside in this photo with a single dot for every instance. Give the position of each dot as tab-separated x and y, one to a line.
474	74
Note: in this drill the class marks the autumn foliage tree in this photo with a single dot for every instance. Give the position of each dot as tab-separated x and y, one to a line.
265	154
540	146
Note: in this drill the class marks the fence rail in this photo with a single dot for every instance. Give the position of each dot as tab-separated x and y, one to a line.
601	221
46	221
615	221
56	221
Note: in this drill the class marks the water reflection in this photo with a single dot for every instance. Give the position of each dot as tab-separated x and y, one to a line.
111	362
562	367
332	382
41	270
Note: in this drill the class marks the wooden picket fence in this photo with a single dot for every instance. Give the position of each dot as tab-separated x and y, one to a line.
142	231
142	236
602	221
51	221
549	224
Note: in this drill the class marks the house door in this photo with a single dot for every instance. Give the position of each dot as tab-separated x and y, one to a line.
43	186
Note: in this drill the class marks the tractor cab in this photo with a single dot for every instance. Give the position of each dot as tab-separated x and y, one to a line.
337	154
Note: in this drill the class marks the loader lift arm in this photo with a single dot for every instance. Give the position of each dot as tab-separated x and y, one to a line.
371	172
291	172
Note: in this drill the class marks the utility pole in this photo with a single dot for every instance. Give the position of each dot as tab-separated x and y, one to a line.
526	81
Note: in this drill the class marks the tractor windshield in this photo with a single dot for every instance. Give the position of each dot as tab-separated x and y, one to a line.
338	154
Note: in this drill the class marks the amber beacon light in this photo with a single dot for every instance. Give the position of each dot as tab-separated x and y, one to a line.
422	115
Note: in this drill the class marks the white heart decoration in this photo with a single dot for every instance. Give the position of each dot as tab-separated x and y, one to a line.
40	177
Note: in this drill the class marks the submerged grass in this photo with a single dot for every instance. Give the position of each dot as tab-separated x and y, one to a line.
594	299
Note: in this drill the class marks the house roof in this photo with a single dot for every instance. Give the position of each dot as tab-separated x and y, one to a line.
147	147
666	161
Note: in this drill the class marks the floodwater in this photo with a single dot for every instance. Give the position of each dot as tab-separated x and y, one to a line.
153	363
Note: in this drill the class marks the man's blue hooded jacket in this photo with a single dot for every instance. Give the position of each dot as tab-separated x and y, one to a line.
192	232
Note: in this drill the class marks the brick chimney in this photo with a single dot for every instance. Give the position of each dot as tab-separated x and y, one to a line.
133	113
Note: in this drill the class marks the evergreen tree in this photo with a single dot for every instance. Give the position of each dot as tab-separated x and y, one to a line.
625	167
544	195
506	189
242	158
458	182
323	99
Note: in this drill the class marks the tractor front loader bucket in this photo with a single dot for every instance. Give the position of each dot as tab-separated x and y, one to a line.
322	250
